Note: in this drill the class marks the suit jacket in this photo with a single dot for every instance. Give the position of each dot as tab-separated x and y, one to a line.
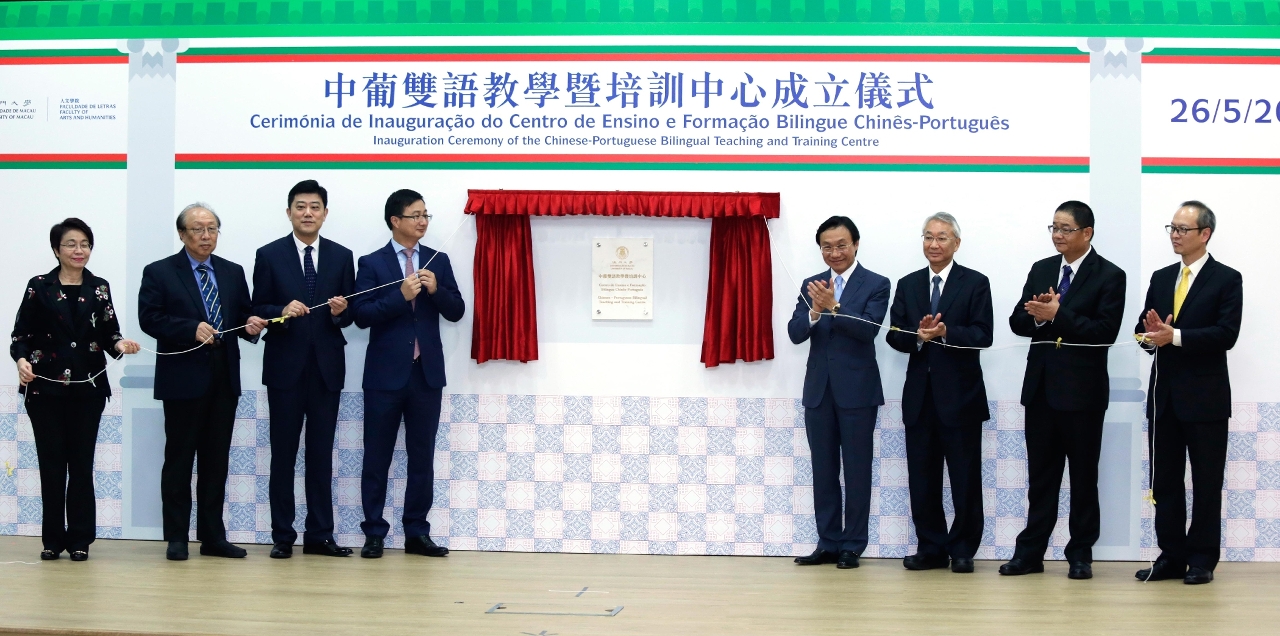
393	322
169	310
1192	379
1075	378
65	342
842	351
278	280
959	393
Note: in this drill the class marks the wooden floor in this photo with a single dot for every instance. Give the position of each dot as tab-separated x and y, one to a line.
128	587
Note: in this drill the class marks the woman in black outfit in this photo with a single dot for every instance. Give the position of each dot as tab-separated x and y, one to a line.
64	325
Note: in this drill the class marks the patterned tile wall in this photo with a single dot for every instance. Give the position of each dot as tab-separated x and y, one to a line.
637	475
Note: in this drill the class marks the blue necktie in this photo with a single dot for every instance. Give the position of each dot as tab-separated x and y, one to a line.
839	287
1066	282
309	273
210	295
937	293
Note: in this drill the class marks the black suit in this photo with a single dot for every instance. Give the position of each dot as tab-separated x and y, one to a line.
200	388
944	403
303	368
1066	391
1189	403
66	332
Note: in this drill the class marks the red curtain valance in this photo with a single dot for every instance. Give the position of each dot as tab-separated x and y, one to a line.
738	324
701	205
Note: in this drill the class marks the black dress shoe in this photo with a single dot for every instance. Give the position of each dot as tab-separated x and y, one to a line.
818	557
962	565
222	548
50	555
425	546
177	551
79	555
1080	571
328	548
848	560
281	551
1198	576
925	562
372	548
1161	570
1017	566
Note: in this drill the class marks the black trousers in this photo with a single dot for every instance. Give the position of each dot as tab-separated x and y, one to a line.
838	436
66	432
198	428
310	401
419	406
1206	444
928	444
1053	438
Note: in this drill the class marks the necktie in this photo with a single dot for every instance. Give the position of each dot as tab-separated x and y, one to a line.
839	289
210	295
309	273
937	293
408	271
1180	293
1066	282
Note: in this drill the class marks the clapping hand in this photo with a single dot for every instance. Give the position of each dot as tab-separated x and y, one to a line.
931	327
1159	332
1043	307
823	297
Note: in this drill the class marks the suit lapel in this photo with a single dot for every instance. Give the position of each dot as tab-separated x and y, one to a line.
58	301
1081	277
950	289
297	276
187	278
84	303
393	262
1201	281
852	285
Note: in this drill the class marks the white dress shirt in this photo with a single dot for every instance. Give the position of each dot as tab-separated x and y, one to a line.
1195	271
1075	271
843	286
302	249
942	288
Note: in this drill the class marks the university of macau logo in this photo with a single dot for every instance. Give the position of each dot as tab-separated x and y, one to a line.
622	252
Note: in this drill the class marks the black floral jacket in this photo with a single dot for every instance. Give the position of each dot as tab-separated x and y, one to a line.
64	344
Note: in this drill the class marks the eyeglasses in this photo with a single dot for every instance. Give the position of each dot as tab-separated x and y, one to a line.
203	231
71	245
1180	230
940	240
1065	231
414	218
831	249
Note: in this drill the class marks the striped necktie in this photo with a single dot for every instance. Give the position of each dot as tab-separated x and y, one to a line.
209	293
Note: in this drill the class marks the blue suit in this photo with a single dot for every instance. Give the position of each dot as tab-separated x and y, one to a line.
303	367
396	385
842	393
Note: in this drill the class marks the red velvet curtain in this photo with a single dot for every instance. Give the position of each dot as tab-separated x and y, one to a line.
505	326
738	323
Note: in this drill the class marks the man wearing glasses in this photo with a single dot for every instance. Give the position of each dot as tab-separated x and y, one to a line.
403	369
1192	317
944	399
842	389
194	304
1076	298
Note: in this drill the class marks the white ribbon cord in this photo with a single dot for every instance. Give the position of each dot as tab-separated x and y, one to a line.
112	361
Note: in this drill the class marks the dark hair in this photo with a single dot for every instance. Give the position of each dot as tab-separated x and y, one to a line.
398	201
1079	211
60	230
1204	216
835	222
310	186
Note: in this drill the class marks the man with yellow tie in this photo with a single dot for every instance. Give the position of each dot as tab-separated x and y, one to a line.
1189	399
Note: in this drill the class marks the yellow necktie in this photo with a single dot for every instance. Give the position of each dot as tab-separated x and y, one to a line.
1180	292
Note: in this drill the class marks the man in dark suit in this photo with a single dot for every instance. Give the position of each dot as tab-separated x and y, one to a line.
304	365
842	388
1076	298
404	368
1189	400
944	400
190	302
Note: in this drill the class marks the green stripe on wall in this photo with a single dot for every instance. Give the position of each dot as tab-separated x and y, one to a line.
1210	169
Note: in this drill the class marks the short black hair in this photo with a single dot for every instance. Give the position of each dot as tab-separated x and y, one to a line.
60	230
310	186
1079	211
835	222
398	201
1205	218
